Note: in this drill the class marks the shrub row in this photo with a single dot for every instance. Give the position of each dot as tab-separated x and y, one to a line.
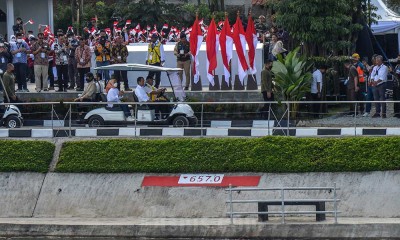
32	156
270	154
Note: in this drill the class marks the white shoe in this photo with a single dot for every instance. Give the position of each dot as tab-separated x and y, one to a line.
365	114
130	119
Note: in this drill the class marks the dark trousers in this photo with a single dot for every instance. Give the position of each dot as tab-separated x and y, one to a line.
316	107
370	97
267	106
20	74
379	95
396	97
352	95
51	74
31	74
162	108
81	74
62	75
73	73
121	76
158	75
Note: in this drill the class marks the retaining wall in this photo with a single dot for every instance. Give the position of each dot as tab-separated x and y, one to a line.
374	194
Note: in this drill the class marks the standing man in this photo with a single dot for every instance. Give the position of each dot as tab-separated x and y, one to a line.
396	88
40	51
19	50
83	58
266	85
316	89
379	84
182	52
102	51
119	54
72	44
352	85
155	57
4	57
9	84
61	51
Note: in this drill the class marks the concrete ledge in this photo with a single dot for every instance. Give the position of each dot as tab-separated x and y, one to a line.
42	133
351	132
129	132
86	132
3	133
193	229
221	124
217	132
173	132
306	132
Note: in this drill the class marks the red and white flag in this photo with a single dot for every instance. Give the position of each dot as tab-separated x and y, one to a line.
201	21
196	38
148	28
30	22
115	24
137	27
251	39
128	22
226	43
165	26
212	49
239	40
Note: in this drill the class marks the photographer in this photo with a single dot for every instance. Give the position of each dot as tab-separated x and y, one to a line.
61	52
19	27
72	44
19	50
40	51
102	51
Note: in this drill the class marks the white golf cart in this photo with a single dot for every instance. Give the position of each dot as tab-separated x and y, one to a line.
180	115
10	115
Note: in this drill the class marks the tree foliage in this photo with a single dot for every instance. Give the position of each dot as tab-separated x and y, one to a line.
324	26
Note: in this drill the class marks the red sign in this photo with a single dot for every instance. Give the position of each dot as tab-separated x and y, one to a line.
200	180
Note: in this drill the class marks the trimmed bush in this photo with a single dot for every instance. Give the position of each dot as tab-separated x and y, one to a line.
270	154
32	156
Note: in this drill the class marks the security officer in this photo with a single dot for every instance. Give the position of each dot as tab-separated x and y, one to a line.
155	57
182	52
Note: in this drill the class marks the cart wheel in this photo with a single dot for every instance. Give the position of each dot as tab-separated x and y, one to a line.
180	121
13	122
96	121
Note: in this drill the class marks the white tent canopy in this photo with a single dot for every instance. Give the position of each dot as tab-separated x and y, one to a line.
389	21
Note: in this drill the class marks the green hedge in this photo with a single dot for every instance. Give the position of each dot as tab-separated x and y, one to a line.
32	156
270	154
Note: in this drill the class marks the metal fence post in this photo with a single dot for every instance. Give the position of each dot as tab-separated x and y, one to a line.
288	120
355	119
136	116
52	112
283	205
230	203
70	120
335	201
201	119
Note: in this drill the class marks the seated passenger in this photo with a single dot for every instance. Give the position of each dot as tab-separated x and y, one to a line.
89	94
114	95
157	95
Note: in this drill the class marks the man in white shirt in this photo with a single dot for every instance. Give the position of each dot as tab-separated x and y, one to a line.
379	77
141	90
316	88
114	95
143	94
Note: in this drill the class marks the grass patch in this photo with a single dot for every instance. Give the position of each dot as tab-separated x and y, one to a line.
31	156
269	154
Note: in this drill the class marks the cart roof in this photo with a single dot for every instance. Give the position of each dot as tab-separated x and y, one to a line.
136	67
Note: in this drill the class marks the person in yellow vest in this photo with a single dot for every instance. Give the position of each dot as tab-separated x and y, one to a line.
102	51
155	57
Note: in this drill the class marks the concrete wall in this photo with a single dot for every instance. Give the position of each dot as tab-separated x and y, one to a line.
19	193
374	194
